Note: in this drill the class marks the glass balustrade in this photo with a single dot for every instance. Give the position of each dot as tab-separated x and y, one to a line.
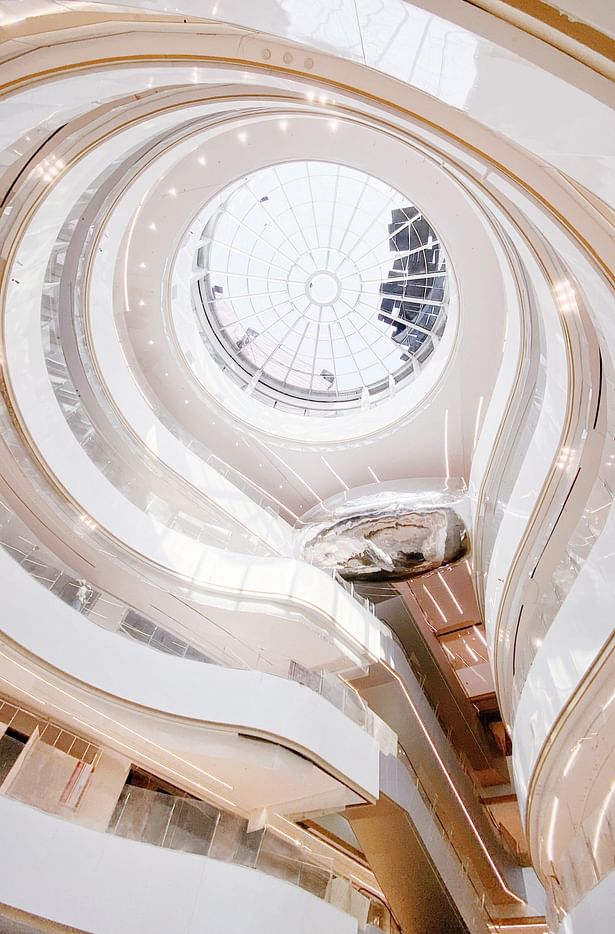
122	474
574	554
54	770
121	464
188	825
118	469
516	434
105	455
111	613
471	893
587	859
114	615
507	458
379	918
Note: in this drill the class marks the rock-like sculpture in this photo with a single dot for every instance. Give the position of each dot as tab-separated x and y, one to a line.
386	534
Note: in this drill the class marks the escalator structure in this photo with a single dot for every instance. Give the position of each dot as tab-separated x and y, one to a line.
433	847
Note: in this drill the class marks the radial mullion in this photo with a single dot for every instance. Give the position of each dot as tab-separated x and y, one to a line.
298	226
413	277
273	219
245	275
316	342
255	313
407	324
363	233
358	333
297	349
259	236
309	181
333	208
352	217
253	295
288	331
400	255
384	240
351	352
400	298
276	320
333	357
293	320
250	256
372	321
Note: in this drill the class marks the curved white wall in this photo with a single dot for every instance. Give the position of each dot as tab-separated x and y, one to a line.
539	458
594	914
473	76
583	624
235	581
467	71
206	694
568	651
104	884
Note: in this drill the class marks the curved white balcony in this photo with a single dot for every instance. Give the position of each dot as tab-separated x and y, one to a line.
71	650
469	67
61	871
594	912
462	83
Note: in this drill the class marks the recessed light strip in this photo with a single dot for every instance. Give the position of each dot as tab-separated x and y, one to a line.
450	593
122	726
335	474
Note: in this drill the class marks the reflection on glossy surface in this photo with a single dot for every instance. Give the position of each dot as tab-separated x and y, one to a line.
460	68
419	48
320	285
329	25
384	533
588	858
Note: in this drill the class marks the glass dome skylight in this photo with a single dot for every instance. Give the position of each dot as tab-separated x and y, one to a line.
319	287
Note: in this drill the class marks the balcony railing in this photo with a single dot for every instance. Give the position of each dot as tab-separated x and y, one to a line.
471	890
180	823
587	859
111	614
192	826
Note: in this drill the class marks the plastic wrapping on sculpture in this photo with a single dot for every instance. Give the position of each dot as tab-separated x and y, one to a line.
388	531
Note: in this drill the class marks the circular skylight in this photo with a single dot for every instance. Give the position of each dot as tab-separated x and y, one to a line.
319	286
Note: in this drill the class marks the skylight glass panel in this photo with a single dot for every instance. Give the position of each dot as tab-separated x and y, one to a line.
320	284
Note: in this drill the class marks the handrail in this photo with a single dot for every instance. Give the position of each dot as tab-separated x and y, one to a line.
112	614
188	825
192	826
448	765
587	859
182	823
481	911
578	434
93	441
254	491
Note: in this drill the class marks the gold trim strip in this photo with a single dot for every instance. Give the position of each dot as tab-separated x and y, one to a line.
339	85
575	30
354	90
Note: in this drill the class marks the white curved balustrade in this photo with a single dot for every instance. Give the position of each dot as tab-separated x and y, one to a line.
467	70
571	627
99	882
594	913
208	694
465	86
233	582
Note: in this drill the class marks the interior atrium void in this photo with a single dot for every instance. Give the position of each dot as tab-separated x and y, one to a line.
320	283
307	460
